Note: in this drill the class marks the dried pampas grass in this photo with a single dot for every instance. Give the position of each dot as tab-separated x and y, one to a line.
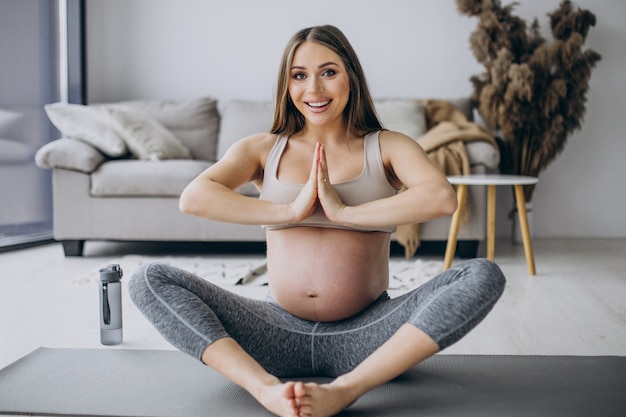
533	92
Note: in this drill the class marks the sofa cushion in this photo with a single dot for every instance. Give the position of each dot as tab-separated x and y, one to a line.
137	178
402	115
88	124
145	137
241	118
480	152
196	122
69	154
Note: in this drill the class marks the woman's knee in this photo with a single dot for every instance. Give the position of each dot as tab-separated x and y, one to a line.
141	282
487	274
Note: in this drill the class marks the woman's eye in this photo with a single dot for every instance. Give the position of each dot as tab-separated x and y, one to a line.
299	76
329	73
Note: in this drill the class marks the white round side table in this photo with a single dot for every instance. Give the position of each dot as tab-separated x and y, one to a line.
491	181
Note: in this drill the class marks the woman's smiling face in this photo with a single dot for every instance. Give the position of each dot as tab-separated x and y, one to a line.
319	85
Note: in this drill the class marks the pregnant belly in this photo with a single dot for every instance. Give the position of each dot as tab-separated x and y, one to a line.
326	274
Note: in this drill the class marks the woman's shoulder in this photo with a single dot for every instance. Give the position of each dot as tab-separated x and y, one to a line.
260	139
392	138
257	142
395	143
255	147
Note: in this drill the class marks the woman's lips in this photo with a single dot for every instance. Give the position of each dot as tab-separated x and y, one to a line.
318	106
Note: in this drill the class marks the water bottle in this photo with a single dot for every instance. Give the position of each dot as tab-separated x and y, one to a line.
111	305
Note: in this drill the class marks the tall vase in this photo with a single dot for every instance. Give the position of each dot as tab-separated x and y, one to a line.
516	230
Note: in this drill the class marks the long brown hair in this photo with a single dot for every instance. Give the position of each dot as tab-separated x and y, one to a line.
359	115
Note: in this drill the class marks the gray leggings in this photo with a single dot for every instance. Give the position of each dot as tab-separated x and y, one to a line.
192	313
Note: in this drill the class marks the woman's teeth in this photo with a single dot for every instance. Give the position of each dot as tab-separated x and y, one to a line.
319	104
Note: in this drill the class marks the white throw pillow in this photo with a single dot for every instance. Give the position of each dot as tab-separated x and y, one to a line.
145	137
402	115
87	124
69	154
196	122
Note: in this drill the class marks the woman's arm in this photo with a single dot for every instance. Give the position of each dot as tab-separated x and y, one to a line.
211	195
428	193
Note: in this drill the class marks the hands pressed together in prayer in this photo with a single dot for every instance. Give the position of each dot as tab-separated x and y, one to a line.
318	189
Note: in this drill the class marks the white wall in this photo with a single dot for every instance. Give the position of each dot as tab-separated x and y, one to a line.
151	49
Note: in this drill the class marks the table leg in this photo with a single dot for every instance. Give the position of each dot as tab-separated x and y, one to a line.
523	218
491	222
454	227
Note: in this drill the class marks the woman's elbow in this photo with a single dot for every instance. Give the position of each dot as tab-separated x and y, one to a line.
449	202
187	203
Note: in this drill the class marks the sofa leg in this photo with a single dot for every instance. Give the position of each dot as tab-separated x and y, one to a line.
467	249
73	247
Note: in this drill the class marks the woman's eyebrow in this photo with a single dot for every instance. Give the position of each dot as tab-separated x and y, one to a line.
326	64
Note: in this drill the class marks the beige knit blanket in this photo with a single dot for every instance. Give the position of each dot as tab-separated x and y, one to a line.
444	143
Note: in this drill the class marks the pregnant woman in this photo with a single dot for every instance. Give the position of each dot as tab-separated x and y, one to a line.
328	174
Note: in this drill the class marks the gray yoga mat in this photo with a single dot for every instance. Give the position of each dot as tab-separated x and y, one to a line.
117	382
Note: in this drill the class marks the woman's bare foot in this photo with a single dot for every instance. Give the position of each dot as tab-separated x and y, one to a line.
279	398
322	400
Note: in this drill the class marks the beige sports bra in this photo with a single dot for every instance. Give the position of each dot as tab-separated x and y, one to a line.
371	184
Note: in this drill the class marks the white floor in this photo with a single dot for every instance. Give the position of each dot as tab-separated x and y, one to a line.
575	305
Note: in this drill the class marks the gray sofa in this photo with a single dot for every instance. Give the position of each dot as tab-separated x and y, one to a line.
116	179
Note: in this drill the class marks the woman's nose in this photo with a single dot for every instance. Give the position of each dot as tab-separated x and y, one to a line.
314	85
